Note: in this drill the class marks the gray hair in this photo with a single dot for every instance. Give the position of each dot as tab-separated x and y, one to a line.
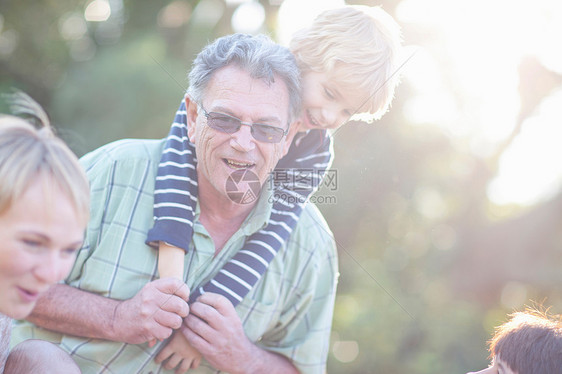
258	55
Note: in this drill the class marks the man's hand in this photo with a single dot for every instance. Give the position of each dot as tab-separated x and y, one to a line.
153	313
180	355
215	330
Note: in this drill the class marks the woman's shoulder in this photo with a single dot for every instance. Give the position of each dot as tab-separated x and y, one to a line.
5	325
5	329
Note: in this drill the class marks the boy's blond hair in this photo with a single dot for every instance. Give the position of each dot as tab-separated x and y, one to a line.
28	154
357	47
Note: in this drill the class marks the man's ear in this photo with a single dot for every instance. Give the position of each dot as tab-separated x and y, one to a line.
191	113
293	129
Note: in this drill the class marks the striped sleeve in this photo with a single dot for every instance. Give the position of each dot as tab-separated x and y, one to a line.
175	194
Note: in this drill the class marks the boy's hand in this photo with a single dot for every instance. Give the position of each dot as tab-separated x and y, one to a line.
180	355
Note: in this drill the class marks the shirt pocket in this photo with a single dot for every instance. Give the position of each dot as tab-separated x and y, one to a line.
258	317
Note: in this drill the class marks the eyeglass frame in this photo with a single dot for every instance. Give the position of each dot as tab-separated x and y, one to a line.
250	124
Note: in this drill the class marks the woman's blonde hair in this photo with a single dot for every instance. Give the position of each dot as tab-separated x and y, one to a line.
29	153
357	47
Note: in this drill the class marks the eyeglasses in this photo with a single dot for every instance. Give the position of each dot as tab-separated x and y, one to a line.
229	125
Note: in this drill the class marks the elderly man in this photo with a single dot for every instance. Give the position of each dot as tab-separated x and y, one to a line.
111	306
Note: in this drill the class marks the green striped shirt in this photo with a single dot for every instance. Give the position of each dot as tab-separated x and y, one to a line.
289	311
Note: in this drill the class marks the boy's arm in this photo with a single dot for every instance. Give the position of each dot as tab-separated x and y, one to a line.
175	188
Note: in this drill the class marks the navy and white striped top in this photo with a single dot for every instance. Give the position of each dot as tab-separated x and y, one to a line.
295	178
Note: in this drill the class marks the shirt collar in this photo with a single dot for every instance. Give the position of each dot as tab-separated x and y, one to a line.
259	216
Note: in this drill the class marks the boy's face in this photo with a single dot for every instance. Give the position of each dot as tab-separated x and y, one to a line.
326	104
498	367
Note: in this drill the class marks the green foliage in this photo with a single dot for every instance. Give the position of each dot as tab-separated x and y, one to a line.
116	95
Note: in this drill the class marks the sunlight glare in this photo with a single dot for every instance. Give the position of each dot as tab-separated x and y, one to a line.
248	17
207	13
295	14
530	169
72	26
346	350
478	47
235	2
97	11
431	105
173	15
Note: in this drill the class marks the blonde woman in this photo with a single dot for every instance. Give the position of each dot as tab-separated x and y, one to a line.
44	209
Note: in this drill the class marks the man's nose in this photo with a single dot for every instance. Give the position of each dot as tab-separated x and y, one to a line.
243	140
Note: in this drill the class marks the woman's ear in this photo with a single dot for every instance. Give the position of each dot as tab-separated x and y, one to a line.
191	113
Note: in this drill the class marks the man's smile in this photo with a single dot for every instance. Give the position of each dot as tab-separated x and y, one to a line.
238	165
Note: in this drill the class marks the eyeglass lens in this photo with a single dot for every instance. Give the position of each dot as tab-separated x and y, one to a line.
229	125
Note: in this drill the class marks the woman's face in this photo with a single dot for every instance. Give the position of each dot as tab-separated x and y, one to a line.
39	237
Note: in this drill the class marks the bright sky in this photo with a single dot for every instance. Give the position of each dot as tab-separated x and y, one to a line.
466	78
297	14
481	43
